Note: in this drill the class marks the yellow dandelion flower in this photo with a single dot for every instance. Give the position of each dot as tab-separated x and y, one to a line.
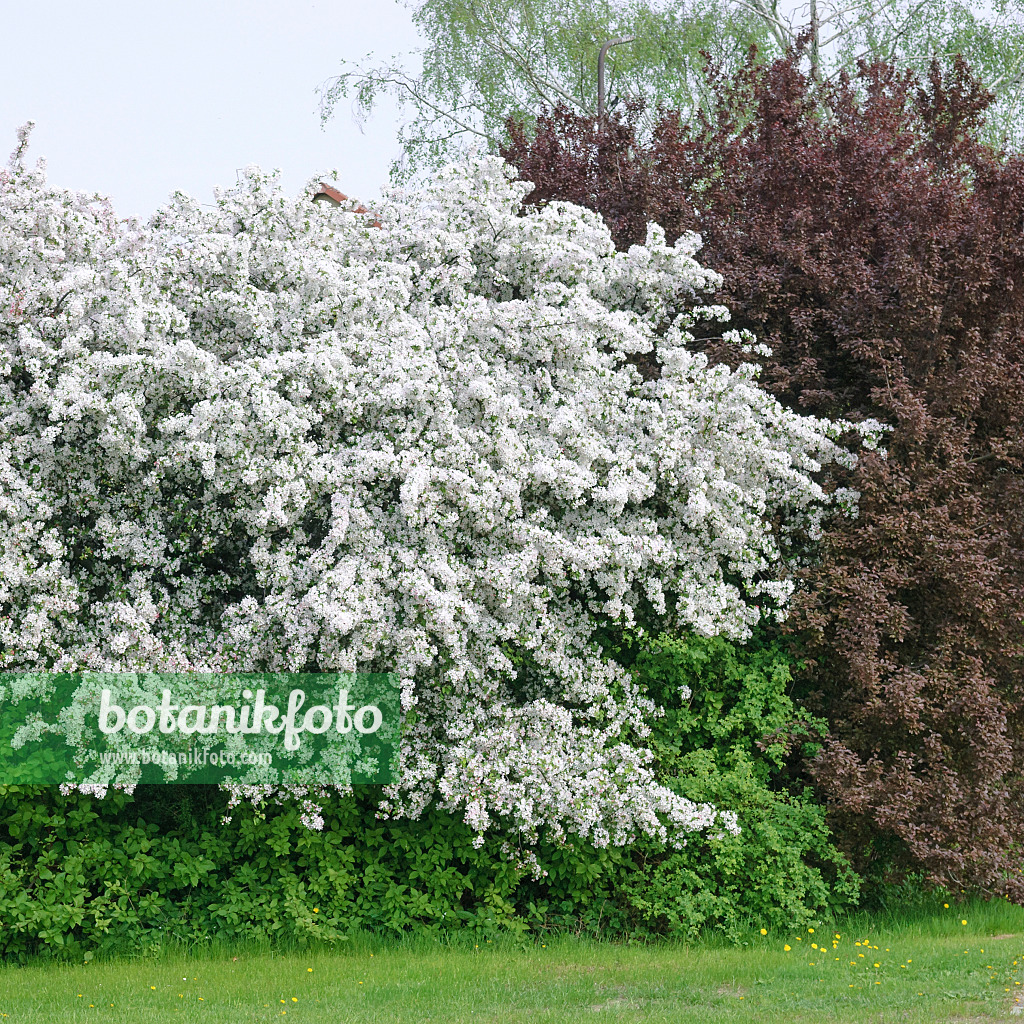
787	947
764	931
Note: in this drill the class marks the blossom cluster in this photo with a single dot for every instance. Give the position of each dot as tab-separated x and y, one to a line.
269	435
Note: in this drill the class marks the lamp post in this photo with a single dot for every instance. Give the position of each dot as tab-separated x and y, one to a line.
600	71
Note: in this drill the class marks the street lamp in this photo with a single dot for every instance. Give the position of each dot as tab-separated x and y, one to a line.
600	71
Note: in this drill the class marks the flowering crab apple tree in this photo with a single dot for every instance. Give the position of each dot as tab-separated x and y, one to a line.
268	435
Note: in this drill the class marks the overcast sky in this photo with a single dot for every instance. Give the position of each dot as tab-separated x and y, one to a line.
137	99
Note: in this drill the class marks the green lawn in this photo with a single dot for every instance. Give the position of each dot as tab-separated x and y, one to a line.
928	968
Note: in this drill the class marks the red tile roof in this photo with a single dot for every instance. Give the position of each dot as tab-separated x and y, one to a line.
335	198
331	195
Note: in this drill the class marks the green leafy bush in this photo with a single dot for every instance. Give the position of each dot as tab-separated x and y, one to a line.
80	875
736	743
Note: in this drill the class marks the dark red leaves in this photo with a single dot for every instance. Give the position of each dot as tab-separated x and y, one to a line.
869	237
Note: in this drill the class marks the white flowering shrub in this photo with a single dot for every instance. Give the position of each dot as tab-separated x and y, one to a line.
269	435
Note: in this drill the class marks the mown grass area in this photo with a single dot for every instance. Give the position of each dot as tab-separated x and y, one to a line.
922	967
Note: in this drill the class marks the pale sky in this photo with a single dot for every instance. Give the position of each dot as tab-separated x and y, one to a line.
137	99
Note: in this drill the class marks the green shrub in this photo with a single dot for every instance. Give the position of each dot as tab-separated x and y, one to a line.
80	875
737	743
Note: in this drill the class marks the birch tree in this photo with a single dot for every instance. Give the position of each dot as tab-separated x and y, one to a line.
483	61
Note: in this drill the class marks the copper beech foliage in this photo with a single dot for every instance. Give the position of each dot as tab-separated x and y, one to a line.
877	246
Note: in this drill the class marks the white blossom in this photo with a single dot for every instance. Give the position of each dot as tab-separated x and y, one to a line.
269	435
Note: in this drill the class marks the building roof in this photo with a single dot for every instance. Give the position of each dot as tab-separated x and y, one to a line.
329	194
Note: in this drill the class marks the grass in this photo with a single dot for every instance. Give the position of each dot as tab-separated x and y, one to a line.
919	967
